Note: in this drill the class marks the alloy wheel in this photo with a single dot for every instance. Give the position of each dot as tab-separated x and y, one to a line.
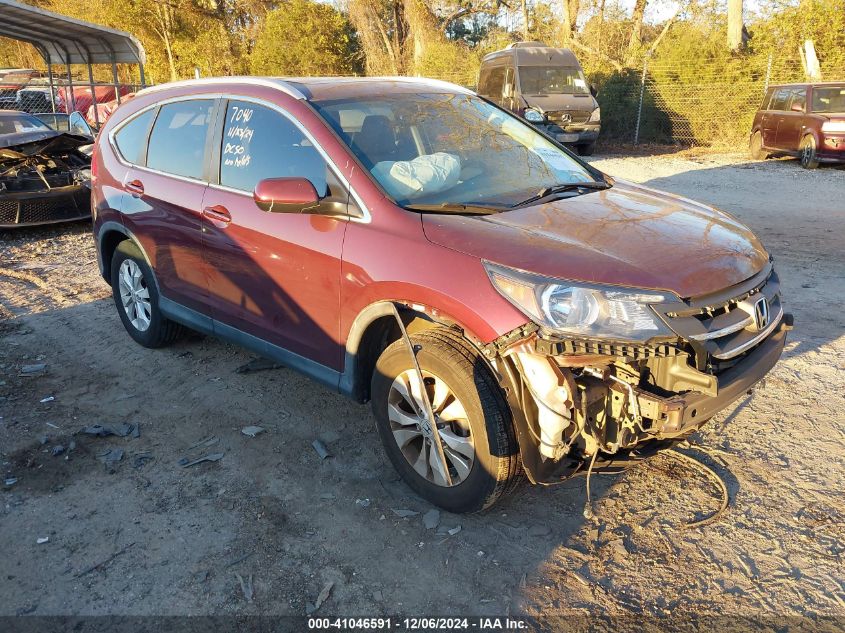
406	412
134	295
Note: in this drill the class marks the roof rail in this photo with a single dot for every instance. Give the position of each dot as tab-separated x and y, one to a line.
434	83
269	82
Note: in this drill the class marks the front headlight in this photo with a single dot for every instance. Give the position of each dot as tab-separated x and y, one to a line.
833	126
588	310
533	116
595	116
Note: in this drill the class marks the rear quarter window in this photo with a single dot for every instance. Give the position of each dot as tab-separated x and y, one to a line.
781	99
177	142
131	138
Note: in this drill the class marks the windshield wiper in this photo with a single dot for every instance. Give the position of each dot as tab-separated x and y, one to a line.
554	190
456	209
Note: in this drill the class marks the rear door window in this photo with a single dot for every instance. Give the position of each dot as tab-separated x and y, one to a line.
177	142
799	99
261	143
131	139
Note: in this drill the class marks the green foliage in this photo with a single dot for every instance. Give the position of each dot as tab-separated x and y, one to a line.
305	38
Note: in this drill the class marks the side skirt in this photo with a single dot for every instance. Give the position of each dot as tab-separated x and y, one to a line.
205	324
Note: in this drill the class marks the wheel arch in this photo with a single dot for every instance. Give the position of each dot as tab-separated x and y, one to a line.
109	237
374	329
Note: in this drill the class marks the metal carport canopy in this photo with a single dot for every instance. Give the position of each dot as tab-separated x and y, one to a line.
63	40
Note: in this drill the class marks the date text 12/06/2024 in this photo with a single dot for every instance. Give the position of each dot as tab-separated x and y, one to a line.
485	623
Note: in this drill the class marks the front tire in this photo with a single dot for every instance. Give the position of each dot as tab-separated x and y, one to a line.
136	298
473	420
809	160
755	147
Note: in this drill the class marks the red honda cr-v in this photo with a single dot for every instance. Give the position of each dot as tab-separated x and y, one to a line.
505	306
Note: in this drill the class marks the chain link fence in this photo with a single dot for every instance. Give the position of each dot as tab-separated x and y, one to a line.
690	103
30	92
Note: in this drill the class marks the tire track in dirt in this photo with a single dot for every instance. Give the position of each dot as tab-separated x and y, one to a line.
22	299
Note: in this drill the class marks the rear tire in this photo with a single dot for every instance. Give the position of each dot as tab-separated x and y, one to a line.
445	358
586	149
755	147
136	298
809	160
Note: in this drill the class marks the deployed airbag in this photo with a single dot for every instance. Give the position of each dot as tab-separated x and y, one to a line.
425	174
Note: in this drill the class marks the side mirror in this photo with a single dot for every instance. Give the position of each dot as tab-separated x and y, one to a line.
77	124
797	107
593	90
286	195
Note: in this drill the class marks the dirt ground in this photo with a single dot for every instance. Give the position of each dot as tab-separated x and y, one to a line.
145	536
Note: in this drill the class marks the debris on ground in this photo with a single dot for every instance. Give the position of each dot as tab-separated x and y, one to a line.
88	570
141	459
120	430
42	539
57	450
404	514
324	595
252	431
363	503
443	530
246	586
431	519
328	496
111	455
47	399
213	457
257	364
320	448
10	481
27	371
211	440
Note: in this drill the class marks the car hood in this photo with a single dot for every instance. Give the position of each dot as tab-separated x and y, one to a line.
24	138
552	103
32	143
627	235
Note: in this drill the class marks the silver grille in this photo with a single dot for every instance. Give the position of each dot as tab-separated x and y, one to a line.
726	325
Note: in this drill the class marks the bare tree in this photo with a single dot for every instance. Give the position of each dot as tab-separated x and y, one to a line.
735	25
525	23
636	39
565	24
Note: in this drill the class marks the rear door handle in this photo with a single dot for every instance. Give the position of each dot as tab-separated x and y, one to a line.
217	214
135	187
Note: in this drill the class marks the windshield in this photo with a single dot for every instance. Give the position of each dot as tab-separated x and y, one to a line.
829	99
552	80
18	123
449	149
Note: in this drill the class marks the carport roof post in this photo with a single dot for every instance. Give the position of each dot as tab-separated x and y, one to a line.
63	40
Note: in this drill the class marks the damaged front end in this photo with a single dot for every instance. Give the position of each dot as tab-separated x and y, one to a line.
578	400
44	181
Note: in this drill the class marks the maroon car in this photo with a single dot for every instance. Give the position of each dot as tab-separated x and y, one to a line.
803	120
504	306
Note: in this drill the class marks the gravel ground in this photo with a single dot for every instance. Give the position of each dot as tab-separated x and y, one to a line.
143	536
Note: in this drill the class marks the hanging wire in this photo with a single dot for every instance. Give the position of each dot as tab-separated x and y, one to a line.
707	471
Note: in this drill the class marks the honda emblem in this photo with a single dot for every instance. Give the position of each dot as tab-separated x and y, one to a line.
761	313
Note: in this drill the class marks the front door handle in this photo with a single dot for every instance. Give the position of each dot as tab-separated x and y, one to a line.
135	187
218	214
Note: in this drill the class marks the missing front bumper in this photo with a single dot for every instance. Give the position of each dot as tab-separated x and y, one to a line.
601	413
